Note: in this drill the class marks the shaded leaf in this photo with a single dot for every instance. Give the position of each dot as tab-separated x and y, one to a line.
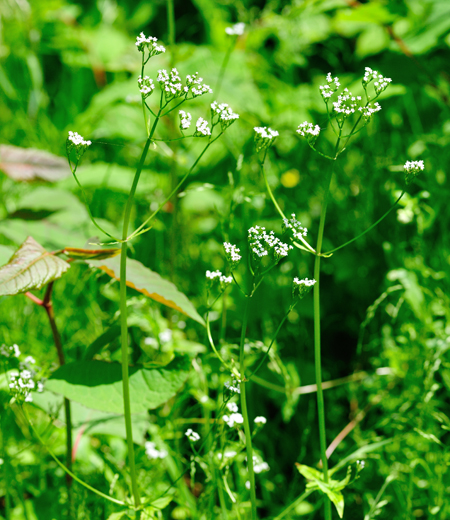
28	164
104	339
151	284
98	384
91	254
31	267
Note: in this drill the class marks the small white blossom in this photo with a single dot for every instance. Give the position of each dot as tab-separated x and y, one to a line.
266	244
185	120
309	131
380	82
302	287
170	84
262	466
153	453
330	88
217	276
232	407
236	30
202	128
232	253
225	113
361	463
248	485
77	140
298	231
346	103
234	386
260	420
192	436
165	336
195	85
234	418
369	109
10	351
143	42
146	86
264	137
412	169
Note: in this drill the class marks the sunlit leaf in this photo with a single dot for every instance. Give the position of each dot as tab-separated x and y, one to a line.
98	384
28	164
90	254
31	267
151	284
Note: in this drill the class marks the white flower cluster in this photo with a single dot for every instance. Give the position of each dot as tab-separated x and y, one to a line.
298	231
10	351
225	113
264	137
202	128
217	276
170	84
232	253
347	103
234	386
263	244
153	453
185	120
309	131
23	382
380	82
236	30
232	407
232	419
196	85
369	109
192	436
77	140
227	454
143	42
259	467
302	287
260	420
412	169
330	88
146	86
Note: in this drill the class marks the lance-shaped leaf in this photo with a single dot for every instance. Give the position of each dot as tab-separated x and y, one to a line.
91	254
98	384
151	284
28	164
30	267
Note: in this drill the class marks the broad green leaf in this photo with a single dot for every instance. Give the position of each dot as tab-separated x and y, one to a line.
161	503
31	267
28	164
151	284
104	339
86	421
98	384
118	516
6	253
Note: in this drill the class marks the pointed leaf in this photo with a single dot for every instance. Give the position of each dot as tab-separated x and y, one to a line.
98	384
28	164
91	254
30	267
151	284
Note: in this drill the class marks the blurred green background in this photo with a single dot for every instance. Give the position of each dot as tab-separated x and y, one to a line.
73	66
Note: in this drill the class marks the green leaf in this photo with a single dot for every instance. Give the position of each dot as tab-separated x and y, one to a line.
117	516
151	284
5	254
105	339
91	254
28	164
31	267
98	384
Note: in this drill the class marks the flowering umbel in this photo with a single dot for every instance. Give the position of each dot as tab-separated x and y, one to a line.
412	170
301	288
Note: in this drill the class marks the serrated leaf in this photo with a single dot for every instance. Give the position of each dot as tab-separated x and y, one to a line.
28	164
91	254
98	384
30	267
151	284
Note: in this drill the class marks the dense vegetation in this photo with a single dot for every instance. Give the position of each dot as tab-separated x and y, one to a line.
385	309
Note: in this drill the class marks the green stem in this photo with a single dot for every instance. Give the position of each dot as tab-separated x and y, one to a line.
123	318
247	431
211	342
368	229
317	346
171	22
64	468
6	468
294	504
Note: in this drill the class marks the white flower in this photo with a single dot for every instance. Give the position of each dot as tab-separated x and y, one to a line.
234	386
143	42
185	120
225	113
309	131
260	420
298	231
170	84
232	407
232	253
248	485
165	336
263	244
236	30
264	137
10	351
203	129
146	86
330	88
234	418
153	453
262	466
217	276
412	169
77	140
302	287
192	436
195	85
380	82
369	109
346	103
